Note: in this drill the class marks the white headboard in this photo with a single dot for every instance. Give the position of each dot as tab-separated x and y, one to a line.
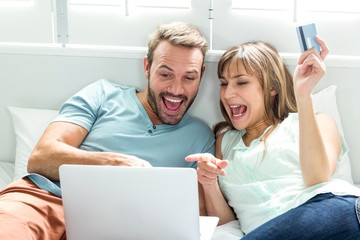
46	80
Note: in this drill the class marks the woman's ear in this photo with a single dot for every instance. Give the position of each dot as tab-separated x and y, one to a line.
273	92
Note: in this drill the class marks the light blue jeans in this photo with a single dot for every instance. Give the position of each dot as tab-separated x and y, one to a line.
324	217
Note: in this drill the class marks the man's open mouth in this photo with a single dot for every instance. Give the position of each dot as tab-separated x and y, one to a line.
172	104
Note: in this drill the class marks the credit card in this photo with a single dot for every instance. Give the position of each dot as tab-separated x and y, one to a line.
306	36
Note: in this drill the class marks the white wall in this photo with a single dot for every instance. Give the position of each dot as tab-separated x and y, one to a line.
273	21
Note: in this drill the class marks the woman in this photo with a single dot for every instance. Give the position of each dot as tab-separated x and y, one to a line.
279	155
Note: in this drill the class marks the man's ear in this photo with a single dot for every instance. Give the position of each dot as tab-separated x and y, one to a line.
146	68
202	70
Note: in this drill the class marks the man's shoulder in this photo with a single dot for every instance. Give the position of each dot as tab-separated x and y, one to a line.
109	89
105	83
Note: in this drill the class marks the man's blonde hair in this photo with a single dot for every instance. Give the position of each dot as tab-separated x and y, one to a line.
178	34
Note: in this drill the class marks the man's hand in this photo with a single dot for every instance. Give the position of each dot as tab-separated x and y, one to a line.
118	159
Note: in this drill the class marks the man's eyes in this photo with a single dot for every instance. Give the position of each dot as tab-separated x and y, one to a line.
191	78
170	75
165	75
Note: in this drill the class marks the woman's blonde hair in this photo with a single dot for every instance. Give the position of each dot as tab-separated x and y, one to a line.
261	60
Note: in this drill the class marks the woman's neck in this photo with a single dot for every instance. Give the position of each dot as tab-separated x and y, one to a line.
255	131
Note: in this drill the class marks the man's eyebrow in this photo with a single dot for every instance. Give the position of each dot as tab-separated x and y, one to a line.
170	69
167	67
193	71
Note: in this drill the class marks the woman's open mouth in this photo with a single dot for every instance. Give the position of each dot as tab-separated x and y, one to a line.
238	110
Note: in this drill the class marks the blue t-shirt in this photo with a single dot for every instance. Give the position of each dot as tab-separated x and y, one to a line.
117	122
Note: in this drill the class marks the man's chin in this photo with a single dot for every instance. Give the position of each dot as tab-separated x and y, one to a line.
171	120
168	116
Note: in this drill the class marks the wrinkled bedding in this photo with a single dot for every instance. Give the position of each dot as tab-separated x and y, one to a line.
228	231
6	173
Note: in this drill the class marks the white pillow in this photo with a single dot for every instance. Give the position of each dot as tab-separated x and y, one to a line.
325	101
29	124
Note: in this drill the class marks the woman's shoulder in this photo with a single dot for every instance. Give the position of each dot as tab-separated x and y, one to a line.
232	137
291	121
288	128
233	133
292	117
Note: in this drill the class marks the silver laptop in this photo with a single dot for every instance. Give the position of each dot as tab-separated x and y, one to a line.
112	202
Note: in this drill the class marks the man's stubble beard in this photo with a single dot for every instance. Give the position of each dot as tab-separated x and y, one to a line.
154	104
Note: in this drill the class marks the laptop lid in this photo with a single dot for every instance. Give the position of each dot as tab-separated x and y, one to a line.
113	202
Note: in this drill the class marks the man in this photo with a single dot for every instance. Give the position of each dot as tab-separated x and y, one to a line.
110	124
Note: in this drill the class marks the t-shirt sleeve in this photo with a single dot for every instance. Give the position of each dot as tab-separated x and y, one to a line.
83	107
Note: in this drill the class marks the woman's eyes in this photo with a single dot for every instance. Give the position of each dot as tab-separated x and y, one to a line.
240	83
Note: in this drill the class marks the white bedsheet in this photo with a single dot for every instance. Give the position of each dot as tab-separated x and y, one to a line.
228	231
6	173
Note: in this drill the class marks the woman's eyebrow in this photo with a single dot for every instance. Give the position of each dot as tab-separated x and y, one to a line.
239	75
234	76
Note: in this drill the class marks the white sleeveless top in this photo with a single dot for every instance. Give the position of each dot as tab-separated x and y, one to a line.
260	187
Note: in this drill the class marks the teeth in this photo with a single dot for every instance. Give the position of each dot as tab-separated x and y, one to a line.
235	106
173	100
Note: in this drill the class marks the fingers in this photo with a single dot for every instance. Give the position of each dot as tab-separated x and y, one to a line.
146	164
312	64
323	53
212	163
207	172
214	167
209	167
206	157
222	164
312	61
312	52
324	48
